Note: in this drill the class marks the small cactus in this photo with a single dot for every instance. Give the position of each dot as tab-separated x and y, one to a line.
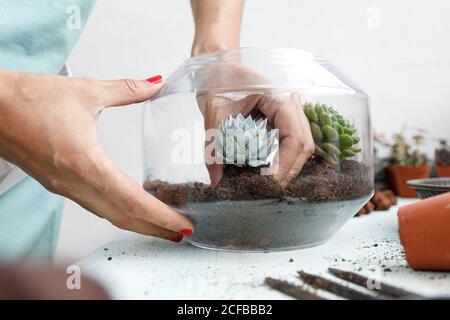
401	151
418	158
334	136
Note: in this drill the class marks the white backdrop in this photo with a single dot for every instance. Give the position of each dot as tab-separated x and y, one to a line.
398	51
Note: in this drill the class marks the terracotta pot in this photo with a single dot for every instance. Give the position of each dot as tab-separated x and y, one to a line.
398	176
425	233
443	171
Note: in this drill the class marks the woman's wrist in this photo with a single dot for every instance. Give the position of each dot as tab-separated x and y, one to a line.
217	25
208	47
213	38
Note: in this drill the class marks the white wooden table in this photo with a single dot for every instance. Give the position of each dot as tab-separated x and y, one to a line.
139	267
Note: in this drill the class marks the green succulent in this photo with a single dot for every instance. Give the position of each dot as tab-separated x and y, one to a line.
334	136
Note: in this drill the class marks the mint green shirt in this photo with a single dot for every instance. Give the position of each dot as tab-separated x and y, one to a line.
35	36
38	35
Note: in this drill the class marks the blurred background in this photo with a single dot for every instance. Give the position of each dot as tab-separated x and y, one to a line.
397	51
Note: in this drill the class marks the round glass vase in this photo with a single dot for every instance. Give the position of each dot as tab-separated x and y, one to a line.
246	210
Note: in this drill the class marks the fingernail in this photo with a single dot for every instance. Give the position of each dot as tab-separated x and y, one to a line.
155	79
177	238
186	232
214	184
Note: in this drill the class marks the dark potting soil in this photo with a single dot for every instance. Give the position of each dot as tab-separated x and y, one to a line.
318	182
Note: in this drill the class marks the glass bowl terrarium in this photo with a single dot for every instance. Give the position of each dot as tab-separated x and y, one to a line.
212	144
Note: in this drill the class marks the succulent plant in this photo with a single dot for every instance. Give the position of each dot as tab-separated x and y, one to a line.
334	136
400	150
418	158
244	141
401	154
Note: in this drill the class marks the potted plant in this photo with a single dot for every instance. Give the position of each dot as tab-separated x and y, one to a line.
442	159
406	165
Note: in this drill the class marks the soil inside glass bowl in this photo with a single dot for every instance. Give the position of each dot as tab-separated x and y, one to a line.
250	211
318	181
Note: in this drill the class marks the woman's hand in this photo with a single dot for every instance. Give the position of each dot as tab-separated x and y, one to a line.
283	111
230	90
48	127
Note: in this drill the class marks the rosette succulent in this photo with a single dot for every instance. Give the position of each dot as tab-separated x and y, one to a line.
243	141
334	136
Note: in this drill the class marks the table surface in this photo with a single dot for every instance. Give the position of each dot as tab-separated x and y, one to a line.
139	267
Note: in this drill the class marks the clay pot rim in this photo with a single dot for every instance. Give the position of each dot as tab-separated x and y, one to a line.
395	166
430	184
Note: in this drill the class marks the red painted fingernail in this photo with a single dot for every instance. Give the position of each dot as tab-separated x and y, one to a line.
177	238
186	232
155	79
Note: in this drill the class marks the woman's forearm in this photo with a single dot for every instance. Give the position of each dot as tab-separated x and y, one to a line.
217	25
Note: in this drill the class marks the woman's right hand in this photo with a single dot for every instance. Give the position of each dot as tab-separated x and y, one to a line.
48	127
282	108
